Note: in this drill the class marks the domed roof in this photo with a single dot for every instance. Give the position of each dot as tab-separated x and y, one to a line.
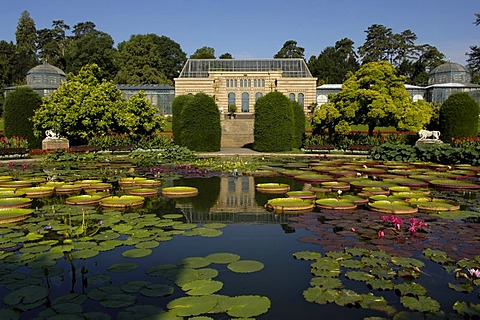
449	72
44	74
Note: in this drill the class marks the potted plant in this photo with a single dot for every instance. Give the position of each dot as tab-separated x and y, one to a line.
231	110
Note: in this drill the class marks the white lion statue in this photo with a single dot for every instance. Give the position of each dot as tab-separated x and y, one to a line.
52	134
426	134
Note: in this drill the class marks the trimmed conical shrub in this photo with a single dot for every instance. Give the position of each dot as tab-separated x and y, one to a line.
458	117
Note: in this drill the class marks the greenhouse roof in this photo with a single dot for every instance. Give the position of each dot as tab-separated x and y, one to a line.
200	68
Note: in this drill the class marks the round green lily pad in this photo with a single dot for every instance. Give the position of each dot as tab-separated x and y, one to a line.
289	205
179	191
202	287
335	204
393	207
453	184
15	202
301	194
125	201
272	187
9	215
222	257
122	267
144	192
136	253
85	199
245	266
192	306
245	306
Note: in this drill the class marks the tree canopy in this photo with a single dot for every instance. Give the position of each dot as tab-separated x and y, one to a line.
473	61
290	49
203	53
86	106
375	96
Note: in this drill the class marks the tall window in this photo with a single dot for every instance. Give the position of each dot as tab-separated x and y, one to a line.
231	98
245	102
292	96
258	95
301	99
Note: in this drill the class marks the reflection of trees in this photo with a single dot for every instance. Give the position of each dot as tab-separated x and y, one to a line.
208	191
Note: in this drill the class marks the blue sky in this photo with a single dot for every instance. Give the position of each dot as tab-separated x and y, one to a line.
259	28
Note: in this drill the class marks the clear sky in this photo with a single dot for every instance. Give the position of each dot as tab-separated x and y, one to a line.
259	28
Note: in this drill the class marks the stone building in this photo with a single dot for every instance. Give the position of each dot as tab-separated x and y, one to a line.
241	82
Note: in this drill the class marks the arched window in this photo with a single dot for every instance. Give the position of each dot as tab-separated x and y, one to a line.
292	96
258	95
231	98
245	102
301	99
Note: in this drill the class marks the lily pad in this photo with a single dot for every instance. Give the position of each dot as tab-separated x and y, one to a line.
15	202
125	201
10	215
222	257
85	199
122	267
192	306
393	207
202	287
289	205
26	296
421	304
245	306
179	192
137	253
272	187
335	204
245	266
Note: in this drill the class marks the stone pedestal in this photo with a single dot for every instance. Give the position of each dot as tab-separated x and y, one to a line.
55	143
428	142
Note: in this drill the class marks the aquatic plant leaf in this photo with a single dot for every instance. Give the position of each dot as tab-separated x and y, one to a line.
338	255
96	316
9	314
371	301
407	262
99	279
380	284
326	282
185	226
156	290
245	306
26	295
183	276
320	295
144	312
355	251
410	288
202	287
77	298
468	309
214	225
207	232
103	292
192	305
421	304
194	262
136	253
160	270
352	264
456	215
67	308
172	216
374	262
347	298
245	266
463	287
147	244
134	286
222	257
122	267
307	255
359	276
438	256
85	254
118	300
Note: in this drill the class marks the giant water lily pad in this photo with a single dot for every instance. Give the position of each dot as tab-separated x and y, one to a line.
335	204
179	192
289	205
435	205
144	192
11	193
301	194
336	185
9	215
393	207
272	187
192	306
222	257
15	202
202	287
68	188
26	298
84	199
453	184
125	201
314	177
245	306
37	192
16	184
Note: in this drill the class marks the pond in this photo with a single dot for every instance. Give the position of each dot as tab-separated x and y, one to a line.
220	254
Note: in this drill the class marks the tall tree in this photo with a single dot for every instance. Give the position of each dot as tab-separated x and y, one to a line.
149	59
203	53
417	70
26	39
51	44
375	96
90	46
378	44
225	55
333	63
473	61
290	49
7	65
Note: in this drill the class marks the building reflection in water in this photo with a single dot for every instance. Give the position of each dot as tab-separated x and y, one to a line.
236	203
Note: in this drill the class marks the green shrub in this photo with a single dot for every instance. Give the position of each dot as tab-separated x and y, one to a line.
201	130
458	117
299	124
20	106
177	106
273	127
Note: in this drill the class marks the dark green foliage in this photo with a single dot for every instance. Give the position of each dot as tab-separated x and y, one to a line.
273	128
177	106
201	129
20	106
299	124
439	153
458	117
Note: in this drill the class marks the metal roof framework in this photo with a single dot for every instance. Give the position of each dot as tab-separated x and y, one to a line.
290	68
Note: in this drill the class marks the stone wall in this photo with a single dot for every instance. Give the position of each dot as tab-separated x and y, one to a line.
236	133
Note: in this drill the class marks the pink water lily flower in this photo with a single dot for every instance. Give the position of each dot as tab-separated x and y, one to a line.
474	272
381	234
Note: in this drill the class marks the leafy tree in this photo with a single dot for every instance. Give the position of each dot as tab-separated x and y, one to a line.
333	63
273	128
375	96
290	50
225	56
90	46
86	106
26	38
204	53
149	59
201	130
20	106
378	44
473	61
298	124
459	117
417	71
178	103
51	44
7	63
